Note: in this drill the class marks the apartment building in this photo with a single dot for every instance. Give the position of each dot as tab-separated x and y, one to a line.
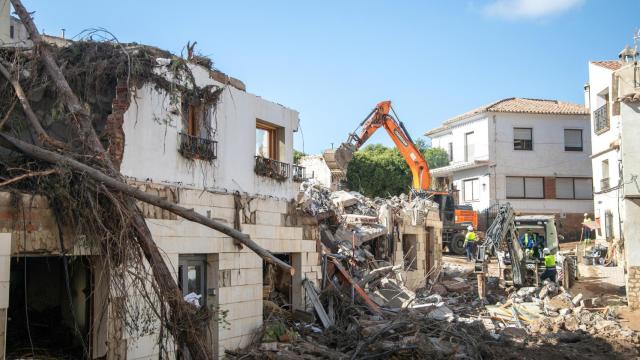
613	91
533	153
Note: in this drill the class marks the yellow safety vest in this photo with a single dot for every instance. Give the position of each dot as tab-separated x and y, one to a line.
550	261
471	237
526	239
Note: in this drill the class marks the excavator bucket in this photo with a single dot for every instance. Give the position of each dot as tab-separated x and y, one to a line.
338	159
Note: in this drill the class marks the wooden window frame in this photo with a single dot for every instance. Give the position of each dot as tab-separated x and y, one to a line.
524	143
272	133
524	188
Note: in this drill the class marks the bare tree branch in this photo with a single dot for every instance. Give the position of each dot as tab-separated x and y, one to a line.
28	175
42	135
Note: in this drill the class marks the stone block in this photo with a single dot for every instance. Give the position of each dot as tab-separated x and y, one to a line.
267	231
240	293
269	218
244	309
270	205
246	276
5	243
308	246
4	294
284	233
240	327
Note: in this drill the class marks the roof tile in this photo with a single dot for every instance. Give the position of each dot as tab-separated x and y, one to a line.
609	64
520	105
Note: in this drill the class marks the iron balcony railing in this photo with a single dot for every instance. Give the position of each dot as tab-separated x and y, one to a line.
604	184
194	147
299	173
272	168
601	119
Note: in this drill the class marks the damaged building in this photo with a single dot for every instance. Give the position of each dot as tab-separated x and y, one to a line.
193	136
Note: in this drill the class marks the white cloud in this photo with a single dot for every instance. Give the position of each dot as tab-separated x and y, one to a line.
529	9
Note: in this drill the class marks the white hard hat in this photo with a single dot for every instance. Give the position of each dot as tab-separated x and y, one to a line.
546	251
470	228
585	214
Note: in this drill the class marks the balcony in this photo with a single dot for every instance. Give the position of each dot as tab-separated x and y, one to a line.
601	119
272	168
604	184
193	147
299	173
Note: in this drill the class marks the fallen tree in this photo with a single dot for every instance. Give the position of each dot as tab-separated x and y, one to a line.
75	171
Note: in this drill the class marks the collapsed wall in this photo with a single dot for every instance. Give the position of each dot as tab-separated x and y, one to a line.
377	236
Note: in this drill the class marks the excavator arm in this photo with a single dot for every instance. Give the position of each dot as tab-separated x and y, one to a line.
379	117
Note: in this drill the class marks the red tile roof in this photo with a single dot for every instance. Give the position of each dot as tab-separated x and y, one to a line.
522	106
608	64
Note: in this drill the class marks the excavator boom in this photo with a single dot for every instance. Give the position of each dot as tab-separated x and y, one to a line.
379	117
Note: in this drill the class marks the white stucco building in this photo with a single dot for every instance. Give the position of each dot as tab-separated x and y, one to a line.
614	100
532	153
230	160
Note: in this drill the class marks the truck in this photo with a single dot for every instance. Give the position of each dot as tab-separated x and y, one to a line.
455	218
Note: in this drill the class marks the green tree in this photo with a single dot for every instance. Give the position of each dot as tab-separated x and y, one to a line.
297	155
377	170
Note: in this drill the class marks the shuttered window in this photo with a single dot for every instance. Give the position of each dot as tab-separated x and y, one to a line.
522	139
573	140
519	187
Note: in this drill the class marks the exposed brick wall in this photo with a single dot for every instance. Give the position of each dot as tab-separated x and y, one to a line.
570	226
633	287
549	187
113	128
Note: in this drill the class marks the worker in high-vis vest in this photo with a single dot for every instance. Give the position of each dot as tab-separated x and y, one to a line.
470	243
550	271
528	241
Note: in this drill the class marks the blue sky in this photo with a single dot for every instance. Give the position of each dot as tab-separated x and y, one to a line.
334	60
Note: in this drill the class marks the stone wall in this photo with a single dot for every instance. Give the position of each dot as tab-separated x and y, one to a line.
633	287
234	277
428	247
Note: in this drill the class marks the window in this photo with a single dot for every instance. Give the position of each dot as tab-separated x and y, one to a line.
195	138
519	187
266	140
471	189
469	146
450	151
574	188
192	278
194	119
11	31
608	224
522	139
604	181
572	140
410	251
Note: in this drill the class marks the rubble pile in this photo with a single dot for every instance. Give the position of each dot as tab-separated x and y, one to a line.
364	310
314	198
446	319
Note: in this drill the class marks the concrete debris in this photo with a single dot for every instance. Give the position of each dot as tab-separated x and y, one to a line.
314	199
375	315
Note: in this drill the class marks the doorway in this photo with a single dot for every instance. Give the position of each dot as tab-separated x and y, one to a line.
50	307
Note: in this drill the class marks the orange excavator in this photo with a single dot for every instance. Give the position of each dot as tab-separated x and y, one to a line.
455	218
